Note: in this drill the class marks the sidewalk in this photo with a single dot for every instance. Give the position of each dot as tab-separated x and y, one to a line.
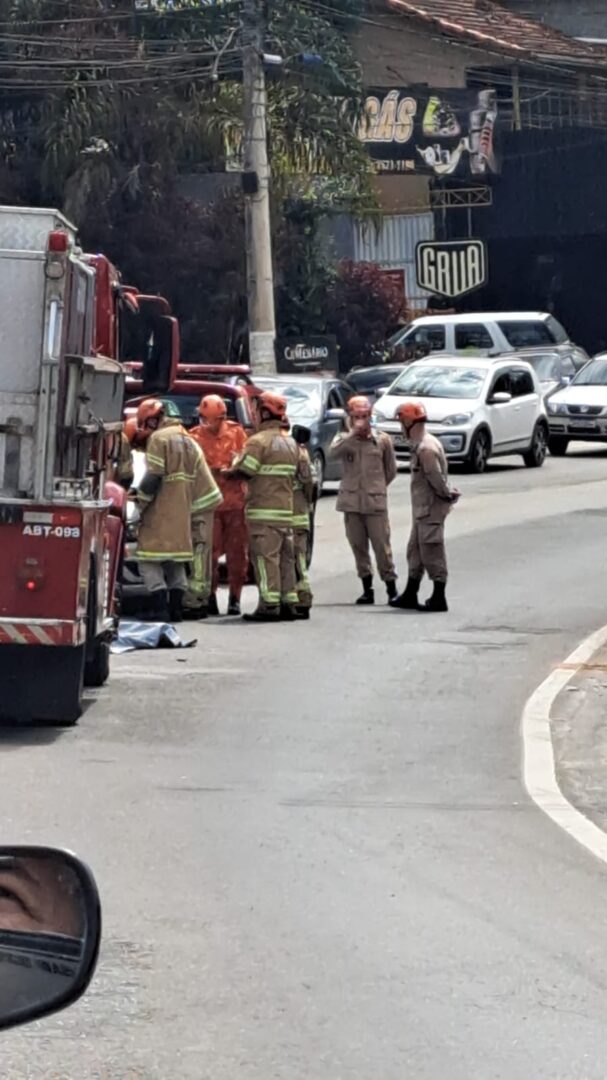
579	736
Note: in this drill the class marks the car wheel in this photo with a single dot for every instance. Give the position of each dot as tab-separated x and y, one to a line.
318	464
479	453
535	456
557	445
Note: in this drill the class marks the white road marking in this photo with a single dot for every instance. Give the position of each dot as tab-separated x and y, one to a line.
538	755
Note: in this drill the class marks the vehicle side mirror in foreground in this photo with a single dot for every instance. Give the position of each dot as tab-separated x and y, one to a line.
50	927
335	414
501	398
566	380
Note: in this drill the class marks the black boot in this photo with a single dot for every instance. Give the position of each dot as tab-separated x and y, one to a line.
212	606
158	610
176	606
271	615
233	605
438	600
391	590
287	613
368	595
303	612
408	600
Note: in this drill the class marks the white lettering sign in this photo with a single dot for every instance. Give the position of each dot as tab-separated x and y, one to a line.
451	268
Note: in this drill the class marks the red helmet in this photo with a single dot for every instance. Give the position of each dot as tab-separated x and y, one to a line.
131	429
213	407
149	409
412	412
274	404
359	406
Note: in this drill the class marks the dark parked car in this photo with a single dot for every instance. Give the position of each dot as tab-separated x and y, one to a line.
316	402
372	381
555	367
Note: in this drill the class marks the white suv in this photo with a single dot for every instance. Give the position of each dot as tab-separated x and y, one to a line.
478	408
482	333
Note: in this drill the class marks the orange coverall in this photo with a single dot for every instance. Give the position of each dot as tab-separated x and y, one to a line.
230	536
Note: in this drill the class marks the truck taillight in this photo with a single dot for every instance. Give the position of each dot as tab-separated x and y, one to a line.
58	241
31	574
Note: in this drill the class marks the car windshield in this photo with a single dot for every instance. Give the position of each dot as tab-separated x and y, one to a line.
440	381
546	366
304	402
593	374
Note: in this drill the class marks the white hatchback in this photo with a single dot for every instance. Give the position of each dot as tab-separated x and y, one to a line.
478	408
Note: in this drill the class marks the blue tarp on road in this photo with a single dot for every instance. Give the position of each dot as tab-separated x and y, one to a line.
144	635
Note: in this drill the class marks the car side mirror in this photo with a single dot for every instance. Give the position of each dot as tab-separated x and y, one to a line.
382	390
566	380
335	414
50	927
501	398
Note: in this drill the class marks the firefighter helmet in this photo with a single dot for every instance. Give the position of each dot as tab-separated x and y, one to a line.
274	404
412	412
359	406
150	409
213	407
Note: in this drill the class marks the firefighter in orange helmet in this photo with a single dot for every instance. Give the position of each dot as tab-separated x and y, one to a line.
431	500
174	495
222	440
369	467
270	461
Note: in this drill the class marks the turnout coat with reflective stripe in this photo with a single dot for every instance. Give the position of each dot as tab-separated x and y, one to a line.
303	492
269	460
181	489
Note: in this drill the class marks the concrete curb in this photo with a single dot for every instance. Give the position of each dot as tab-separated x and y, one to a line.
539	771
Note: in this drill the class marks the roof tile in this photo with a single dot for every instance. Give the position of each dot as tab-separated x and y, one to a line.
488	23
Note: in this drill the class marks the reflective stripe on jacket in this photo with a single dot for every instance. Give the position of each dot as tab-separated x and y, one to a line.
185	489
303	491
269	460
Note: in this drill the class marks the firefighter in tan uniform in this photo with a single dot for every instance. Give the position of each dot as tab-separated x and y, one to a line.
369	467
431	500
303	500
175	497
270	463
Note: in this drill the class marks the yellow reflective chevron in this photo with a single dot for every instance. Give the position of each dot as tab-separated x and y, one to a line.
207	502
281	517
250	464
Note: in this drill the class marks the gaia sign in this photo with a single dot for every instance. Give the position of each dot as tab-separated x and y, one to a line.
442	132
452	268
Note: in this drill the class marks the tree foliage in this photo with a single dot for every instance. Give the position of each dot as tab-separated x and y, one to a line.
104	107
363	307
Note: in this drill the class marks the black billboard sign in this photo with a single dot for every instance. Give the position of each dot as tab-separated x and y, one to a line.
437	132
451	269
306	354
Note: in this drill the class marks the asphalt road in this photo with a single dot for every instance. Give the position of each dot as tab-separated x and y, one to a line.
315	854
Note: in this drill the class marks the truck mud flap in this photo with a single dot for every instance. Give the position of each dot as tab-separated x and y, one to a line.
41	684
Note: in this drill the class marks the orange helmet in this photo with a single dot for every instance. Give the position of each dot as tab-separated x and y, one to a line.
213	407
412	412
359	406
274	404
149	409
131	428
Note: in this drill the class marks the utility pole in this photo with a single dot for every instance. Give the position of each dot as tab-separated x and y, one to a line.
256	185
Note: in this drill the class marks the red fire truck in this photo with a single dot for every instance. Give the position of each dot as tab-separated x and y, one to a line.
68	326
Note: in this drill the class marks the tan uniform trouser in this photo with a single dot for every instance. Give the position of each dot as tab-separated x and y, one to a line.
362	529
201	572
304	590
426	550
273	557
